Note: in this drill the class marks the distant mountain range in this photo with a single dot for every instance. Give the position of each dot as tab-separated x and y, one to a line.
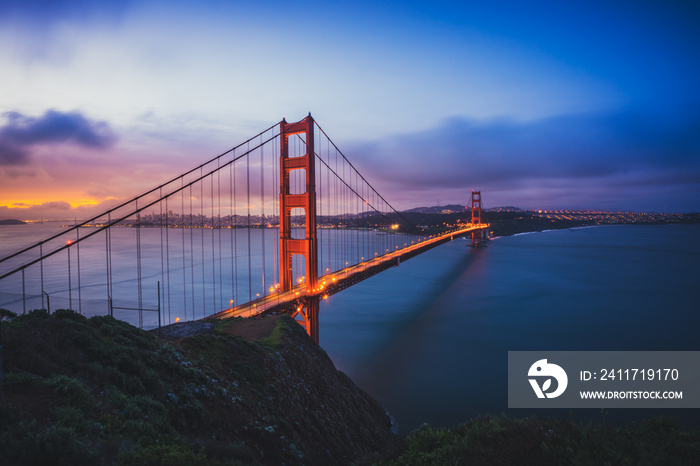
11	221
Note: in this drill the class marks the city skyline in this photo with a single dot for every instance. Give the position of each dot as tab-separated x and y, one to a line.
544	106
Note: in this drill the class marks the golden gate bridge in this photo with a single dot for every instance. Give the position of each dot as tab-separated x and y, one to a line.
276	224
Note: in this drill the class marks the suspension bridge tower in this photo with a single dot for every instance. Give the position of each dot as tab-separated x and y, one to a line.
476	218
306	310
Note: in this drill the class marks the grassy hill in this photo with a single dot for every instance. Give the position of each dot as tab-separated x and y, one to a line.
100	391
80	391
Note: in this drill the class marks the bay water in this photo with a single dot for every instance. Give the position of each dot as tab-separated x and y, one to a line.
429	339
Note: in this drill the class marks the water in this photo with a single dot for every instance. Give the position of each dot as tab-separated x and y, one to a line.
429	339
187	273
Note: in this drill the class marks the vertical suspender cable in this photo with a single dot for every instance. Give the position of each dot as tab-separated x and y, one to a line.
167	253
80	295
219	225
236	295
231	227
213	241
330	205
109	296
109	256
201	222
262	212
275	210
139	289
162	253
250	273
184	265
192	252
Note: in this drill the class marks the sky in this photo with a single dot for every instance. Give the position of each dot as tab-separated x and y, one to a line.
540	105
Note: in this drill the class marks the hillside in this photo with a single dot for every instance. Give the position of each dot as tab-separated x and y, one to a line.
100	391
246	392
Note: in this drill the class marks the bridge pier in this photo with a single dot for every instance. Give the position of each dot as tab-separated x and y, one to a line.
307	309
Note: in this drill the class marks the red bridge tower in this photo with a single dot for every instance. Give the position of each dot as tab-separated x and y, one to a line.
476	217
306	311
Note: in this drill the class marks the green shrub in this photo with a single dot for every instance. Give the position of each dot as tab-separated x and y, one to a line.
69	314
170	454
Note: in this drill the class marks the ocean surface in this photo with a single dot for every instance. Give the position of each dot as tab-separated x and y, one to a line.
429	339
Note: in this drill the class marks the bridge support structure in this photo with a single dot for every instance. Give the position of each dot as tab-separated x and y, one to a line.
306	310
476	218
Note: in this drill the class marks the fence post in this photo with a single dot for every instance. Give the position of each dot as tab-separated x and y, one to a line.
24	299
48	301
158	304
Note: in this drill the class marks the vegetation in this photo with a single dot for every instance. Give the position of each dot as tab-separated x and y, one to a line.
100	391
536	441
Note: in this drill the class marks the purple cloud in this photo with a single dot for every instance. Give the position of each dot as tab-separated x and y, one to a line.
21	132
616	156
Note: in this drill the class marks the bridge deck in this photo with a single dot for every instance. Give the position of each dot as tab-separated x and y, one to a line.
337	281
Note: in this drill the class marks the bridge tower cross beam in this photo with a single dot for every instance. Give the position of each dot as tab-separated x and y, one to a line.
289	246
476	217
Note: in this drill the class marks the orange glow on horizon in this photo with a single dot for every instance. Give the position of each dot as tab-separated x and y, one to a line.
74	203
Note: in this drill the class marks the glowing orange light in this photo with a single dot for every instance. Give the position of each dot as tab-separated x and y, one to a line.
177	319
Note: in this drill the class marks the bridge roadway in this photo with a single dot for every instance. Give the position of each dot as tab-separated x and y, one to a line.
332	283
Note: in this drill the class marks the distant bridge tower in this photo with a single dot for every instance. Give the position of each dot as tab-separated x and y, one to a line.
476	217
306	311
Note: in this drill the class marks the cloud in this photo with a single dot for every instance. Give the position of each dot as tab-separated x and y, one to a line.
21	133
588	153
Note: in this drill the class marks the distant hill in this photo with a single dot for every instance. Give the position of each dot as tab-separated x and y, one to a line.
444	209
508	208
456	208
12	221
